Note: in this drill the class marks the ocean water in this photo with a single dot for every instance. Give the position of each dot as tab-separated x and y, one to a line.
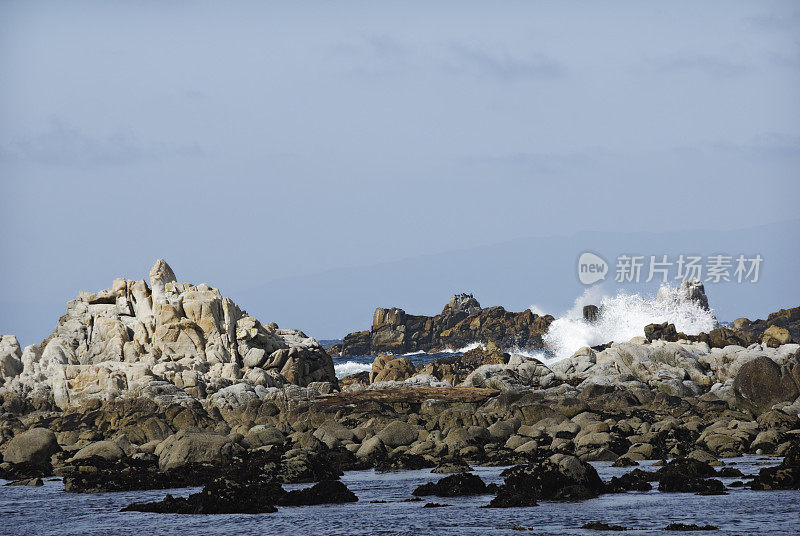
49	511
352	364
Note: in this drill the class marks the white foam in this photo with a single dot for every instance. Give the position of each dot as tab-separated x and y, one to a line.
535	309
351	367
462	350
418	352
623	317
539	355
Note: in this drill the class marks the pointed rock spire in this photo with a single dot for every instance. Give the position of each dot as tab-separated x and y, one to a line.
160	275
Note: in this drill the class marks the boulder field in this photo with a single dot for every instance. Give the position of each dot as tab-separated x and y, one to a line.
171	385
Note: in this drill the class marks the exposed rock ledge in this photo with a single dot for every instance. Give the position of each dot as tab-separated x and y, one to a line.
169	341
461	322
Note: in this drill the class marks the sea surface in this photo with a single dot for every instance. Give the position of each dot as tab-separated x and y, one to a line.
48	510
352	364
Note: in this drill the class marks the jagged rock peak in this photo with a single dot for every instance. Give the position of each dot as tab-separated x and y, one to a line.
694	290
462	302
690	290
160	275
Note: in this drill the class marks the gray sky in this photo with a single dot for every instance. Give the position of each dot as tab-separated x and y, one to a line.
251	143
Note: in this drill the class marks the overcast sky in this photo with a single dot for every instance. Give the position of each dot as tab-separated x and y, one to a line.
249	142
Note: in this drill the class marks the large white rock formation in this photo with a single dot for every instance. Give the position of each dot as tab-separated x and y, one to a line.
169	341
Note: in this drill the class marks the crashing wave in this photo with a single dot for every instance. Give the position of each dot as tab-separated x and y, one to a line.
624	316
351	367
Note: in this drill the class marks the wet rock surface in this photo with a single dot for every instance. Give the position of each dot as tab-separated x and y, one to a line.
221	496
784	476
561	477
453	486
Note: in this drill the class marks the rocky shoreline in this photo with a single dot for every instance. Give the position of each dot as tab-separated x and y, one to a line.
172	385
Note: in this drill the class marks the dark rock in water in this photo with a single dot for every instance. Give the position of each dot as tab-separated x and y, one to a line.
591	313
599	525
636	480
435	505
23	471
687	467
221	496
325	492
689	527
452	467
461	322
309	466
624	461
27	482
682	484
784	476
95	474
453	486
761	383
404	462
567	478
687	475
512	498
729	472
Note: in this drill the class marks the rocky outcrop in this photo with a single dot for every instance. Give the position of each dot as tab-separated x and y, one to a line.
168	341
689	290
390	368
461	322
782	327
762	383
188	447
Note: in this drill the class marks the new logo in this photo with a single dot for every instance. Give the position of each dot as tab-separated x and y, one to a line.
591	268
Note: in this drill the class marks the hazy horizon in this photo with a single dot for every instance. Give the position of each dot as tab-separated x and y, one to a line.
517	274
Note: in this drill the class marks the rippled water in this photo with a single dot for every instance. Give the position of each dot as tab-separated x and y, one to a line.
49	511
